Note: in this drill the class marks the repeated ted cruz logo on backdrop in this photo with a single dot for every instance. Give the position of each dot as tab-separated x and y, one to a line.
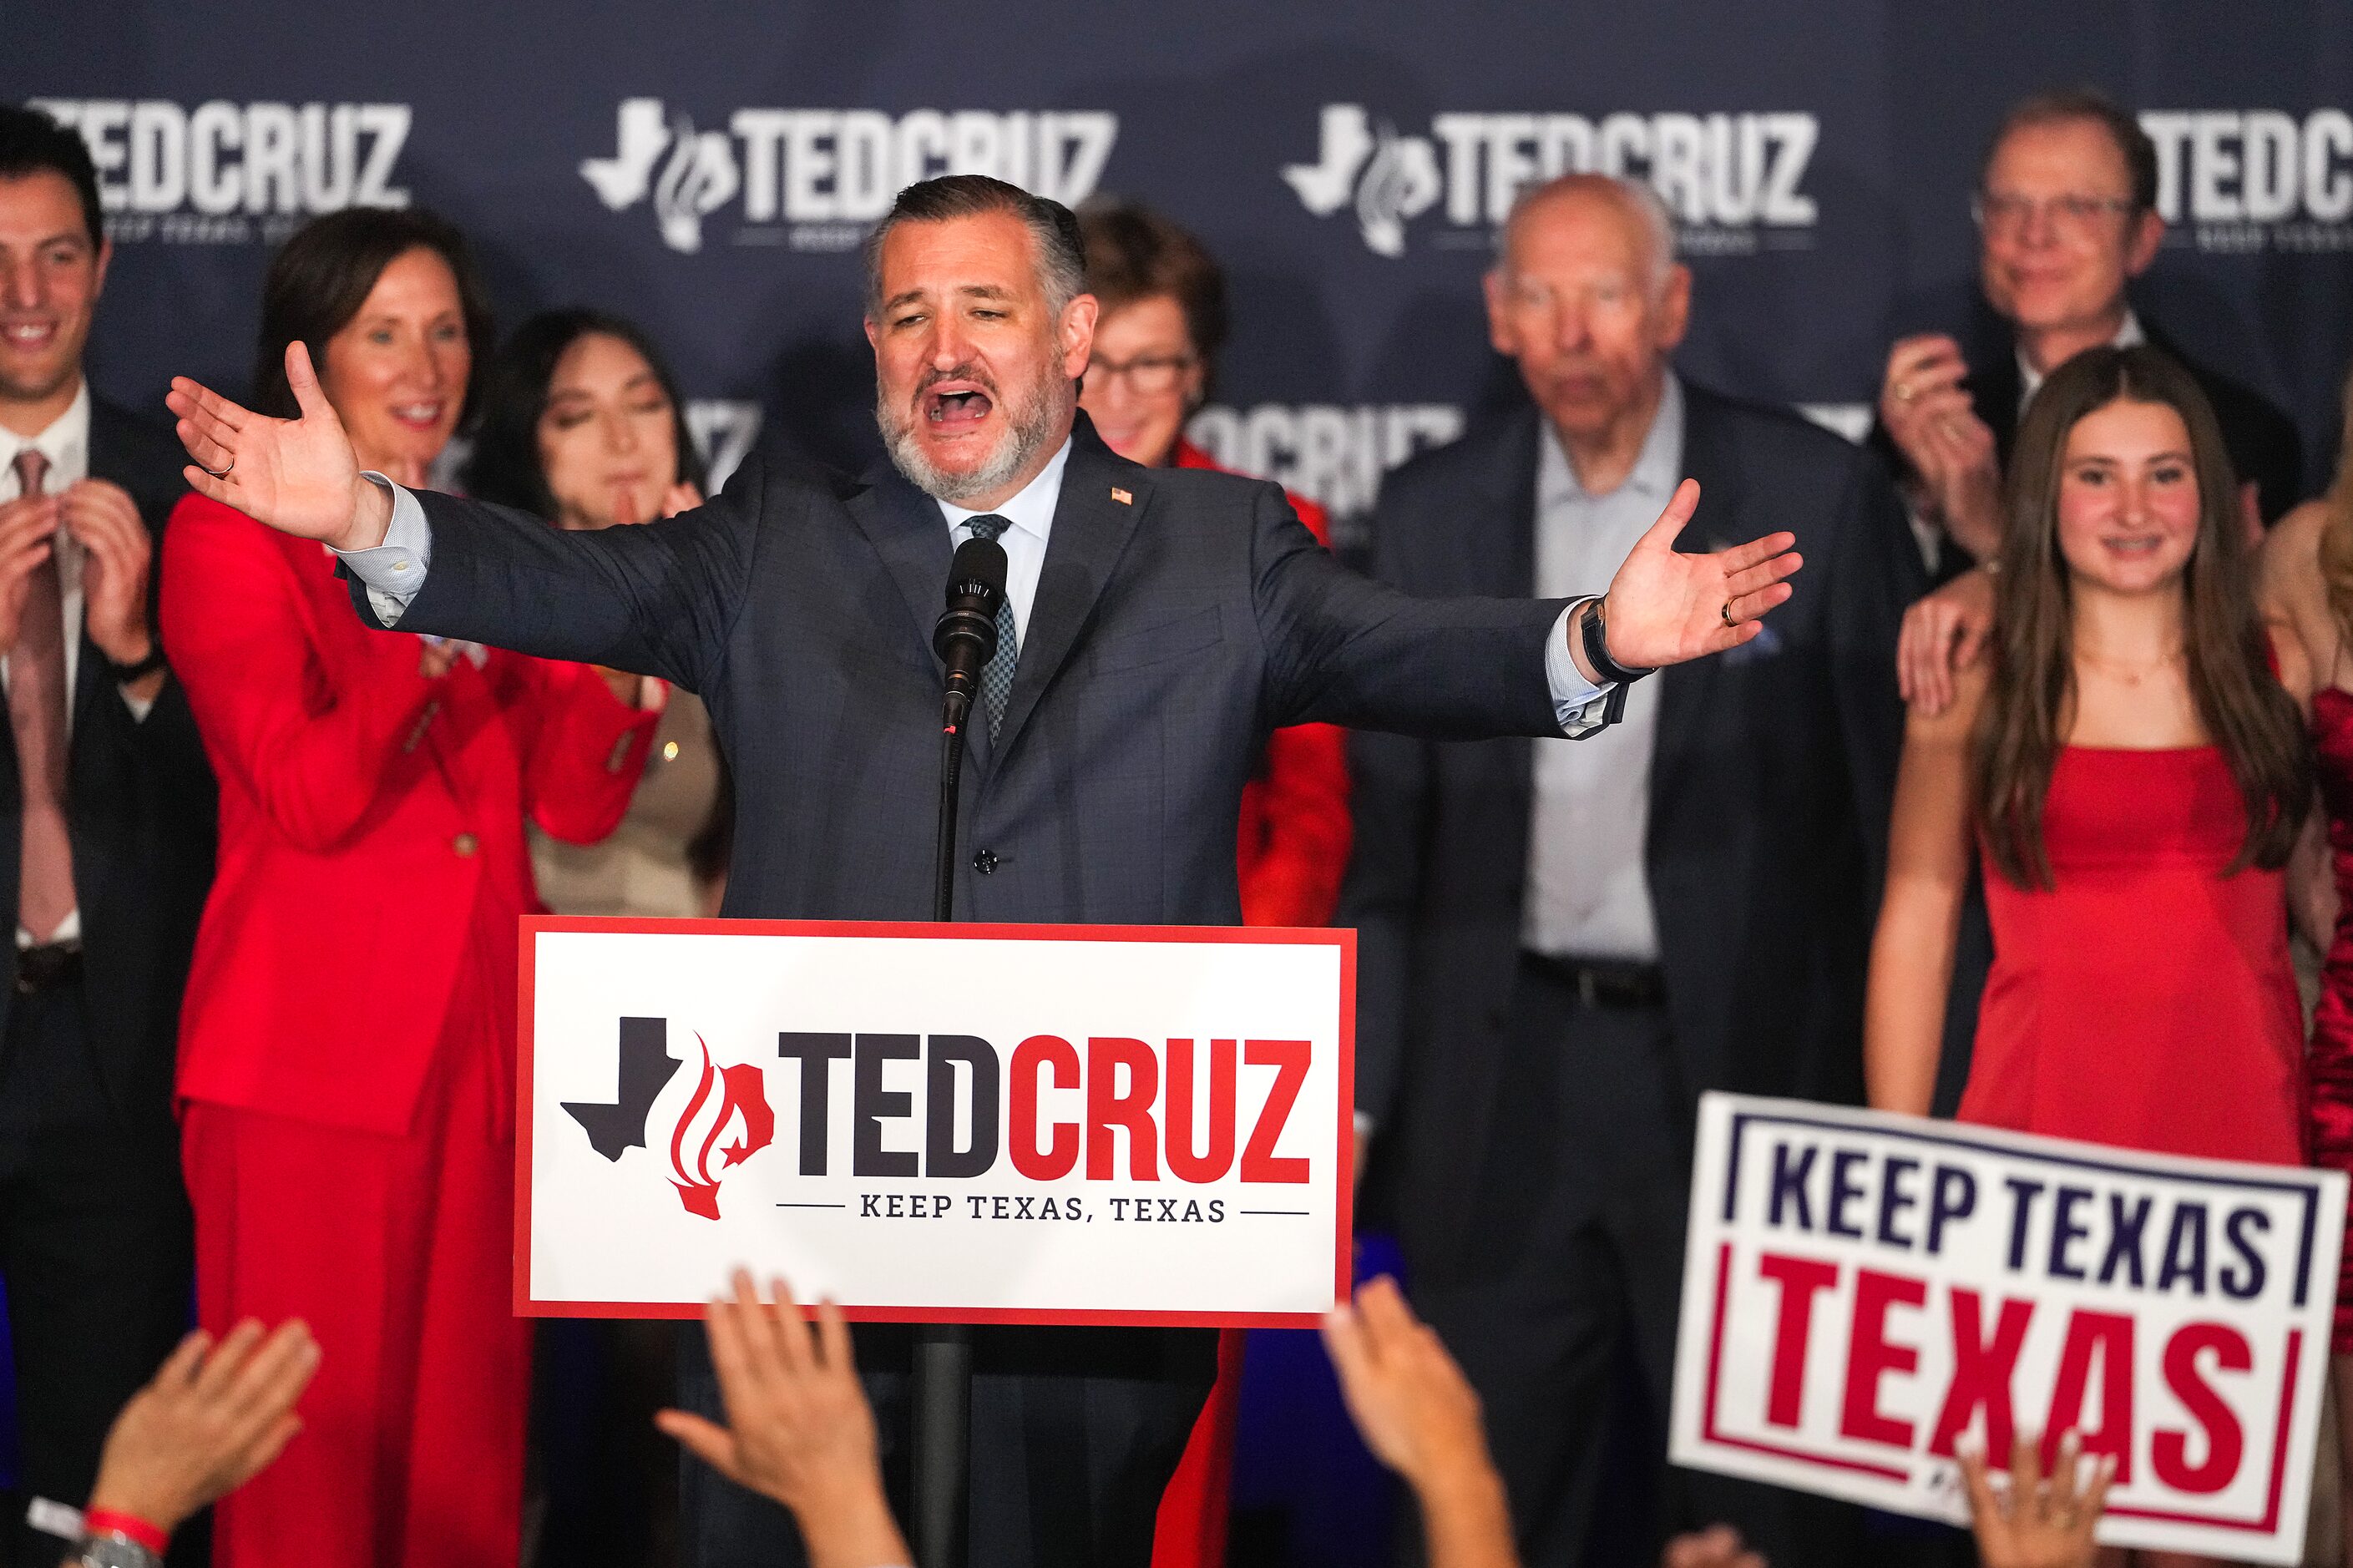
233	174
2246	181
1863	1292
1732	180
1034	1121
815	179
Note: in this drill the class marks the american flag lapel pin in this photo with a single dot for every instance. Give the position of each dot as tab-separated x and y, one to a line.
1121	496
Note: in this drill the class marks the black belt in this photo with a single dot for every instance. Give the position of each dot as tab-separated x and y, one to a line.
1603	981
40	969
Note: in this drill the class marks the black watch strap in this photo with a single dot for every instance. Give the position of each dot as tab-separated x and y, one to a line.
1596	648
126	674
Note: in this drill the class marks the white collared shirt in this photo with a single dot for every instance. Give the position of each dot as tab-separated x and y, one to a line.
1588	889
2030	380
1030	519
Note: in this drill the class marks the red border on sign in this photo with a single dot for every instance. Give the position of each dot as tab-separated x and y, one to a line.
2268	1522
1344	1146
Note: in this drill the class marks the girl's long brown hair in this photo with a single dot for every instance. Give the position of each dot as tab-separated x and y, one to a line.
2250	717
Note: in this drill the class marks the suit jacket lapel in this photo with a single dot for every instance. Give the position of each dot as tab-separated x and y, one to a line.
1091	533
1683	691
907	530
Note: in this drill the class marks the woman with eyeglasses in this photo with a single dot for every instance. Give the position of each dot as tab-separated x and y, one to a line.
1163	321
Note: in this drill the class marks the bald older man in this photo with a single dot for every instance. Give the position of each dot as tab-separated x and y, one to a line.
1561	946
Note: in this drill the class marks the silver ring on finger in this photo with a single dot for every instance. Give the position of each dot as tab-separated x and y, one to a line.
221	473
1726	613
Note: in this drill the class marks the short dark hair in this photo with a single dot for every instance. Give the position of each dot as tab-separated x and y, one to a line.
1062	250
504	465
33	143
320	277
1134	254
2084	104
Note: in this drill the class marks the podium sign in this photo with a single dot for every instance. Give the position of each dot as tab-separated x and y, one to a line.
968	1123
1863	1291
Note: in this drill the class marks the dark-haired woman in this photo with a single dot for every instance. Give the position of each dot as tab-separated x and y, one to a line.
349	1143
581	424
2134	777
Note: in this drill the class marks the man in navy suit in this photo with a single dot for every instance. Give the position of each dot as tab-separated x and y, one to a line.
1561	947
1161	621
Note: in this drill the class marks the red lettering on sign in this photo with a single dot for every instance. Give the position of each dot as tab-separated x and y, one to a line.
1055	1161
1290	1059
1801	1279
1108	1107
1214	1161
2226	1445
2109	1335
1871	1355
1981	1373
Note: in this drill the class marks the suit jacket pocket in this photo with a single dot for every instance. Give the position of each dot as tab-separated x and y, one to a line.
1188	631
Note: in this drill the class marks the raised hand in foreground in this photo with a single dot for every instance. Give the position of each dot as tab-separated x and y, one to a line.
211	1418
798	1427
2034	1523
299	476
1417	1413
1665	607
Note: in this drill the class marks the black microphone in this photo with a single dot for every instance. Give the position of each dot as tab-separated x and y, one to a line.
966	638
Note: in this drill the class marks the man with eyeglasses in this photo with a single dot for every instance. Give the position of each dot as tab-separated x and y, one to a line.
2066	211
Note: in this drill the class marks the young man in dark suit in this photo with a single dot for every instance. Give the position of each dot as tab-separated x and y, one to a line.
1158	621
106	849
2067	210
1559	949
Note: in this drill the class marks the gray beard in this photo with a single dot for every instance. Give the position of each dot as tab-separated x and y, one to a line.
1035	424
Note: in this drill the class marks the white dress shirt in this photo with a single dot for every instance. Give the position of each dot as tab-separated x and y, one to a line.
394	574
1588	895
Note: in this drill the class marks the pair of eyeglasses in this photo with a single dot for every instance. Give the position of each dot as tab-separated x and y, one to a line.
1148	374
2004	213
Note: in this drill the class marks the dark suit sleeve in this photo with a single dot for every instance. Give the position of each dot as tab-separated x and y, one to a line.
1344	649
657	599
1873	574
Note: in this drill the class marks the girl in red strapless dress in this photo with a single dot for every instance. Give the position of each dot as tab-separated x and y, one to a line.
2132	777
2148	950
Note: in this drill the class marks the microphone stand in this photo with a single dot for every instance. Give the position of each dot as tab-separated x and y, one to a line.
941	1456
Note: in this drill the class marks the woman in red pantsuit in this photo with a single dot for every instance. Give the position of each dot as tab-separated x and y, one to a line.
347	1047
1164	320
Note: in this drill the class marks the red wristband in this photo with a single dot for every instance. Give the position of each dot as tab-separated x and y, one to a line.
107	1522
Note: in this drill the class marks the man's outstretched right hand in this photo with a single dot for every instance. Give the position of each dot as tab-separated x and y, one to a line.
298	476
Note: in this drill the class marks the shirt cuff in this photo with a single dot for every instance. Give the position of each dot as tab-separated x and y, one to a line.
1580	706
394	571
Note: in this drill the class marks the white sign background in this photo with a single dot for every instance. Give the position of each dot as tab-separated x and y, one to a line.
613	1239
1731	1317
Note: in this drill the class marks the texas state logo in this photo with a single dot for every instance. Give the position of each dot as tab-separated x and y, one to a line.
724	1120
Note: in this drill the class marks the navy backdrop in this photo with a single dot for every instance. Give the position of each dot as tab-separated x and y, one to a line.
709	169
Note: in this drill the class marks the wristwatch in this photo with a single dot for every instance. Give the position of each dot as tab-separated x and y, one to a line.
112	1550
1596	648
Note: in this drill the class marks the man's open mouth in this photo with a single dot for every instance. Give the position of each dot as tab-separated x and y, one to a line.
953	408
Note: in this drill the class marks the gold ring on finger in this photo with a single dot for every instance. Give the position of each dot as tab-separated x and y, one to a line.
1903	392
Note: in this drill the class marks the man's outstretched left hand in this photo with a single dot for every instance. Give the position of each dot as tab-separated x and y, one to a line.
1666	607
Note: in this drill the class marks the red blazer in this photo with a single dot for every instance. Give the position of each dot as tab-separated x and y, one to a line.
364	810
1295	830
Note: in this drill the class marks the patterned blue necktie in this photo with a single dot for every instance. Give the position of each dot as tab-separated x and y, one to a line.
996	677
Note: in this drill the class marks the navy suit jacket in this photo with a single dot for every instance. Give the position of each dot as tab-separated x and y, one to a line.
1770	788
1171	631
